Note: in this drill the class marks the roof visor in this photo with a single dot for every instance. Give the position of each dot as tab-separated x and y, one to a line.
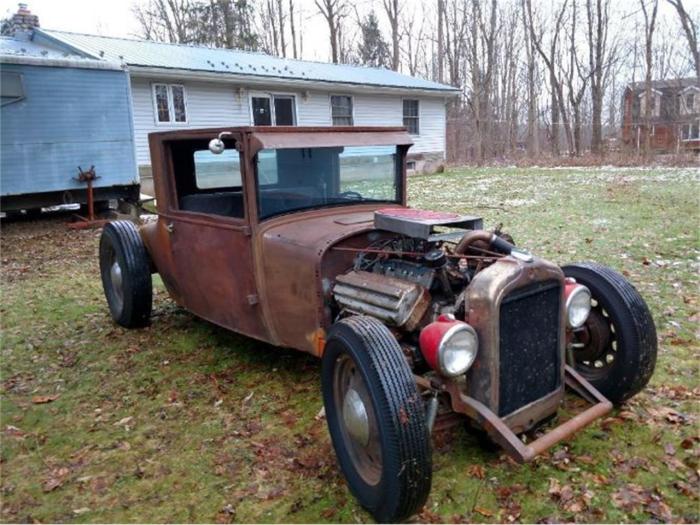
306	139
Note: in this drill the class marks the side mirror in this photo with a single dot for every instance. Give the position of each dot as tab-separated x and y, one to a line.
217	146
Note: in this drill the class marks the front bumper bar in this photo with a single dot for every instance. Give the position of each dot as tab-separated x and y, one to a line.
506	438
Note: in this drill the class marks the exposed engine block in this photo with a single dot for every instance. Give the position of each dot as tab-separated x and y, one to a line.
397	302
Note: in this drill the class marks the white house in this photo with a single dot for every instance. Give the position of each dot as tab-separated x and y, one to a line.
179	86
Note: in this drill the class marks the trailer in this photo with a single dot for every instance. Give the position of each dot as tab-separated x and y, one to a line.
61	114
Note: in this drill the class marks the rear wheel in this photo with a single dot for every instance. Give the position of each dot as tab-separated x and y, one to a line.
126	274
616	348
376	419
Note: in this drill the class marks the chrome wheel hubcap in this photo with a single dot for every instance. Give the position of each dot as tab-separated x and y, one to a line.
355	417
115	274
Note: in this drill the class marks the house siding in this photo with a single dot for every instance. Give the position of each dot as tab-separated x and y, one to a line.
219	104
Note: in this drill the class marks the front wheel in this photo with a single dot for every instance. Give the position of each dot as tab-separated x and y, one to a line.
616	348
126	274
376	419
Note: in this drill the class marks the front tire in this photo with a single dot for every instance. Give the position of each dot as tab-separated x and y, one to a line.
616	348
376	419
126	274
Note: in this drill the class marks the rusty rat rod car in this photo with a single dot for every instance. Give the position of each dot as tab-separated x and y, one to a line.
301	237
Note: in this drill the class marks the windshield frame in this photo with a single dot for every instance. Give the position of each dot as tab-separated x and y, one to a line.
399	181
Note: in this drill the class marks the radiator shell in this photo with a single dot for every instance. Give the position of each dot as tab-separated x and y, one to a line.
485	297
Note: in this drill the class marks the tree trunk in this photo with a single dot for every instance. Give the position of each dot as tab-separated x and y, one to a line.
649	25
441	41
293	28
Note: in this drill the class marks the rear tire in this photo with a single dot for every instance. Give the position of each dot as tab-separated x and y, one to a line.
126	274
376	419
618	352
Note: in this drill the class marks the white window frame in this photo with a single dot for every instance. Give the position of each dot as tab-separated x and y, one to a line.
689	125
352	107
171	109
419	116
695	91
273	113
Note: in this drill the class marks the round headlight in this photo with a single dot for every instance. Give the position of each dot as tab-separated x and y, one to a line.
578	306
457	350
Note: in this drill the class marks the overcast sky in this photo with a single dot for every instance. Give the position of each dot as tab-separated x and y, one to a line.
114	18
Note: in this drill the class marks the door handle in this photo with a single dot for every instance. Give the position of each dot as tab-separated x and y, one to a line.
170	227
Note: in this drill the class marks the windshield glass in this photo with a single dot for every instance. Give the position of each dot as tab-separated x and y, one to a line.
299	178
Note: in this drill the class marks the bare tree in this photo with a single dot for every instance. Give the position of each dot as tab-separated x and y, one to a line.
292	28
576	81
441	40
414	50
334	11
281	17
533	145
549	57
690	28
165	20
649	9
597	16
393	11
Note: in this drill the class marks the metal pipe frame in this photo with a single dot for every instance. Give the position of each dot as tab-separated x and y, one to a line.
499	431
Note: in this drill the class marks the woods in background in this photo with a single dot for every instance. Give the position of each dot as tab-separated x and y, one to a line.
535	76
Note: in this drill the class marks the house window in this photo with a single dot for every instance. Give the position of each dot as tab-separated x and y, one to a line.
273	110
689	102
341	110
690	131
410	116
170	104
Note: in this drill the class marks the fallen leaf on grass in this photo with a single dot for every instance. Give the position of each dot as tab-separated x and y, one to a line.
246	399
124	421
477	471
669	449
55	479
81	510
629	497
328	513
14	432
483	511
40	400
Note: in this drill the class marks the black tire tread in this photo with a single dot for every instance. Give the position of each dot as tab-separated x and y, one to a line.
138	285
402	400
636	368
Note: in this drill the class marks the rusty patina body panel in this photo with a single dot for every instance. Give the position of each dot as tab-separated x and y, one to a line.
272	266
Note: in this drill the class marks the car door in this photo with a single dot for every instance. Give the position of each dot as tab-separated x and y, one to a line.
210	237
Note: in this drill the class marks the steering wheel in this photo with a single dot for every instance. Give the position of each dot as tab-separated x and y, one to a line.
351	194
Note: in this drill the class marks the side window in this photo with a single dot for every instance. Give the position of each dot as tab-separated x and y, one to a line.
205	182
410	116
217	171
170	103
341	110
11	87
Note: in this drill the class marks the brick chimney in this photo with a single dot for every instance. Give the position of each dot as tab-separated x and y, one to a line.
23	21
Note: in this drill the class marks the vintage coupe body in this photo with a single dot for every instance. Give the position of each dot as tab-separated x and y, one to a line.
302	238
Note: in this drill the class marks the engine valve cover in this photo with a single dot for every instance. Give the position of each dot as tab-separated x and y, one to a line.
394	301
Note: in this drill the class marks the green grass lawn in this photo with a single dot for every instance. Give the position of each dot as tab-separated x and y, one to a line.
183	421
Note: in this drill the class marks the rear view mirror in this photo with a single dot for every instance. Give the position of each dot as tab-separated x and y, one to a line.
217	146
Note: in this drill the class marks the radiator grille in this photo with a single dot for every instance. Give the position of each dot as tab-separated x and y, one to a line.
530	360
